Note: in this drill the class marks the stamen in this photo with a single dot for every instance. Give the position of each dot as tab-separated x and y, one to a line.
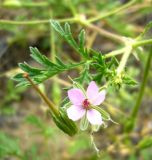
86	104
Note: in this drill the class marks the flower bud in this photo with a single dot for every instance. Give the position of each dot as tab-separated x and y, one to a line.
64	123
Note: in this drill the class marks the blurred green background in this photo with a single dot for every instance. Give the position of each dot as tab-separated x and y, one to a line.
26	129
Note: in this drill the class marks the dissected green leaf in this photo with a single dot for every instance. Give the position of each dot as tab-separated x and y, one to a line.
67	35
47	70
85	76
41	59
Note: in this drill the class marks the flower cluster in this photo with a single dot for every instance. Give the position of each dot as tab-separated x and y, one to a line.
83	104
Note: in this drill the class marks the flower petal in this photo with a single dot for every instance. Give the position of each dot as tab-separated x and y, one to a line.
92	91
99	99
75	112
76	96
94	117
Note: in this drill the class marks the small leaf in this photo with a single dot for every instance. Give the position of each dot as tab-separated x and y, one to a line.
56	25
59	62
82	38
68	36
113	62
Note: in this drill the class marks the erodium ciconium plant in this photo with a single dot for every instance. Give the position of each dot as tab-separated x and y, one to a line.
81	104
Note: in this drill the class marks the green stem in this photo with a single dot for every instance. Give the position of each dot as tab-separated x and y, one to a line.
55	90
52	44
134	45
116	52
124	59
142	88
141	43
24	4
34	22
110	13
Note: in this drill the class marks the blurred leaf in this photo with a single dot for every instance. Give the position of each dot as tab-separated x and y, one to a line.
12	92
9	146
34	120
7	110
132	157
31	153
146	154
146	142
56	93
81	143
118	22
40	124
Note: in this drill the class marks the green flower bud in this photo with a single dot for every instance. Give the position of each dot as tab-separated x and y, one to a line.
64	123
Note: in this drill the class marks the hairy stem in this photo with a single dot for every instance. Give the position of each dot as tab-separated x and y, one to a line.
34	22
134	45
114	53
124	59
142	42
24	4
43	96
52	45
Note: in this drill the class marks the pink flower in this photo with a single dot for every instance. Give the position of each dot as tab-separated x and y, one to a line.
82	103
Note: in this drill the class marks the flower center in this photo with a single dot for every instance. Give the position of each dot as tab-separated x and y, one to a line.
86	104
